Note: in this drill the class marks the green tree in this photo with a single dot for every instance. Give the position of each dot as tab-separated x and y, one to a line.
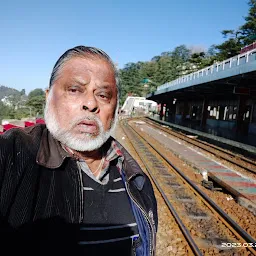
36	92
167	69
161	69
237	39
211	52
201	60
36	101
5	111
131	81
21	113
248	30
197	60
230	47
23	92
181	53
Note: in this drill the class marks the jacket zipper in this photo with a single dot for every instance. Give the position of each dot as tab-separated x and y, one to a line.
154	230
150	226
133	249
135	244
81	191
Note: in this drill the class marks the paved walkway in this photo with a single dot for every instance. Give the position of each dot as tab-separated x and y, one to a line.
228	137
230	179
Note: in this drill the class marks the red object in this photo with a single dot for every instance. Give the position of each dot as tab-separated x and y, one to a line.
248	48
40	121
10	126
241	90
27	124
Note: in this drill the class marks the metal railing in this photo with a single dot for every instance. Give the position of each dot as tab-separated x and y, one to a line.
217	67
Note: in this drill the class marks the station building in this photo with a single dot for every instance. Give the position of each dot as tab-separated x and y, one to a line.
221	97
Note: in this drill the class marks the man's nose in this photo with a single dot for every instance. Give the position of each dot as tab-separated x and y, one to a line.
90	104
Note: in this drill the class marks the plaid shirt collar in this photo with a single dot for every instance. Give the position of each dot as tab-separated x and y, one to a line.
111	152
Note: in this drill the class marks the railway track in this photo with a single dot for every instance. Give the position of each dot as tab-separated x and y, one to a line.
238	160
205	226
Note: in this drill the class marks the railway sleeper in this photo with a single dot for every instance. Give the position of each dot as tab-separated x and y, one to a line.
167	175
198	216
174	185
186	199
218	243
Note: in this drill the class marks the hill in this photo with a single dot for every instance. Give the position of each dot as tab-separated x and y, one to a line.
6	91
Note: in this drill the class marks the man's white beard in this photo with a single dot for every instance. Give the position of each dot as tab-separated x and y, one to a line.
84	141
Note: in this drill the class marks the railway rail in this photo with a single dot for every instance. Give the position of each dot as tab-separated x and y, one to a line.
238	160
204	224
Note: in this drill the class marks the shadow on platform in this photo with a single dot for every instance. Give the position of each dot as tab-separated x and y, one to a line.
249	139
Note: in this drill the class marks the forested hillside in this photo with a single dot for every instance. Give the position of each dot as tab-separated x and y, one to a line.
6	91
16	104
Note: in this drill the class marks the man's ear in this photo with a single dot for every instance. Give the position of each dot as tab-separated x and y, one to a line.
46	93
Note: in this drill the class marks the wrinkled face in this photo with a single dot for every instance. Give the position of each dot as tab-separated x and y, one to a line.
82	103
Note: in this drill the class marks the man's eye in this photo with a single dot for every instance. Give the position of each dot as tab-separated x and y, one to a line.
73	90
104	97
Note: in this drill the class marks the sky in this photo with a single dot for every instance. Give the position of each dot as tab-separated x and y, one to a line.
33	34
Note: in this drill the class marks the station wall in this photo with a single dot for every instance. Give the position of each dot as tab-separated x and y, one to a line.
223	114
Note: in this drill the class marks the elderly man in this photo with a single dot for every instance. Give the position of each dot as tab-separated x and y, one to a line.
68	188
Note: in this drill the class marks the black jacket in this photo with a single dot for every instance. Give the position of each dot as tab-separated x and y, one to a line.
40	194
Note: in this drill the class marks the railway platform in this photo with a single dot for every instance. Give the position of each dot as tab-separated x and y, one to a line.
249	139
242	187
229	139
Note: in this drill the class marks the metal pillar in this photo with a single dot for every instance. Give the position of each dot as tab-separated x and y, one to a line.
242	125
171	112
204	112
185	110
161	111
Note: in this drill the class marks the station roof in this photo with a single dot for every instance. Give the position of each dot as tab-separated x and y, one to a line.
221	79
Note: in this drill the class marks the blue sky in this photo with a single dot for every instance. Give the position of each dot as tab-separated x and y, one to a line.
33	34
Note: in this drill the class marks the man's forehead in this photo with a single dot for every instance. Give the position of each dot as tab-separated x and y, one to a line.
82	71
81	80
88	64
86	68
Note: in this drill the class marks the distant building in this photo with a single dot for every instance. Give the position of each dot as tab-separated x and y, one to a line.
6	101
14	101
187	68
138	103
